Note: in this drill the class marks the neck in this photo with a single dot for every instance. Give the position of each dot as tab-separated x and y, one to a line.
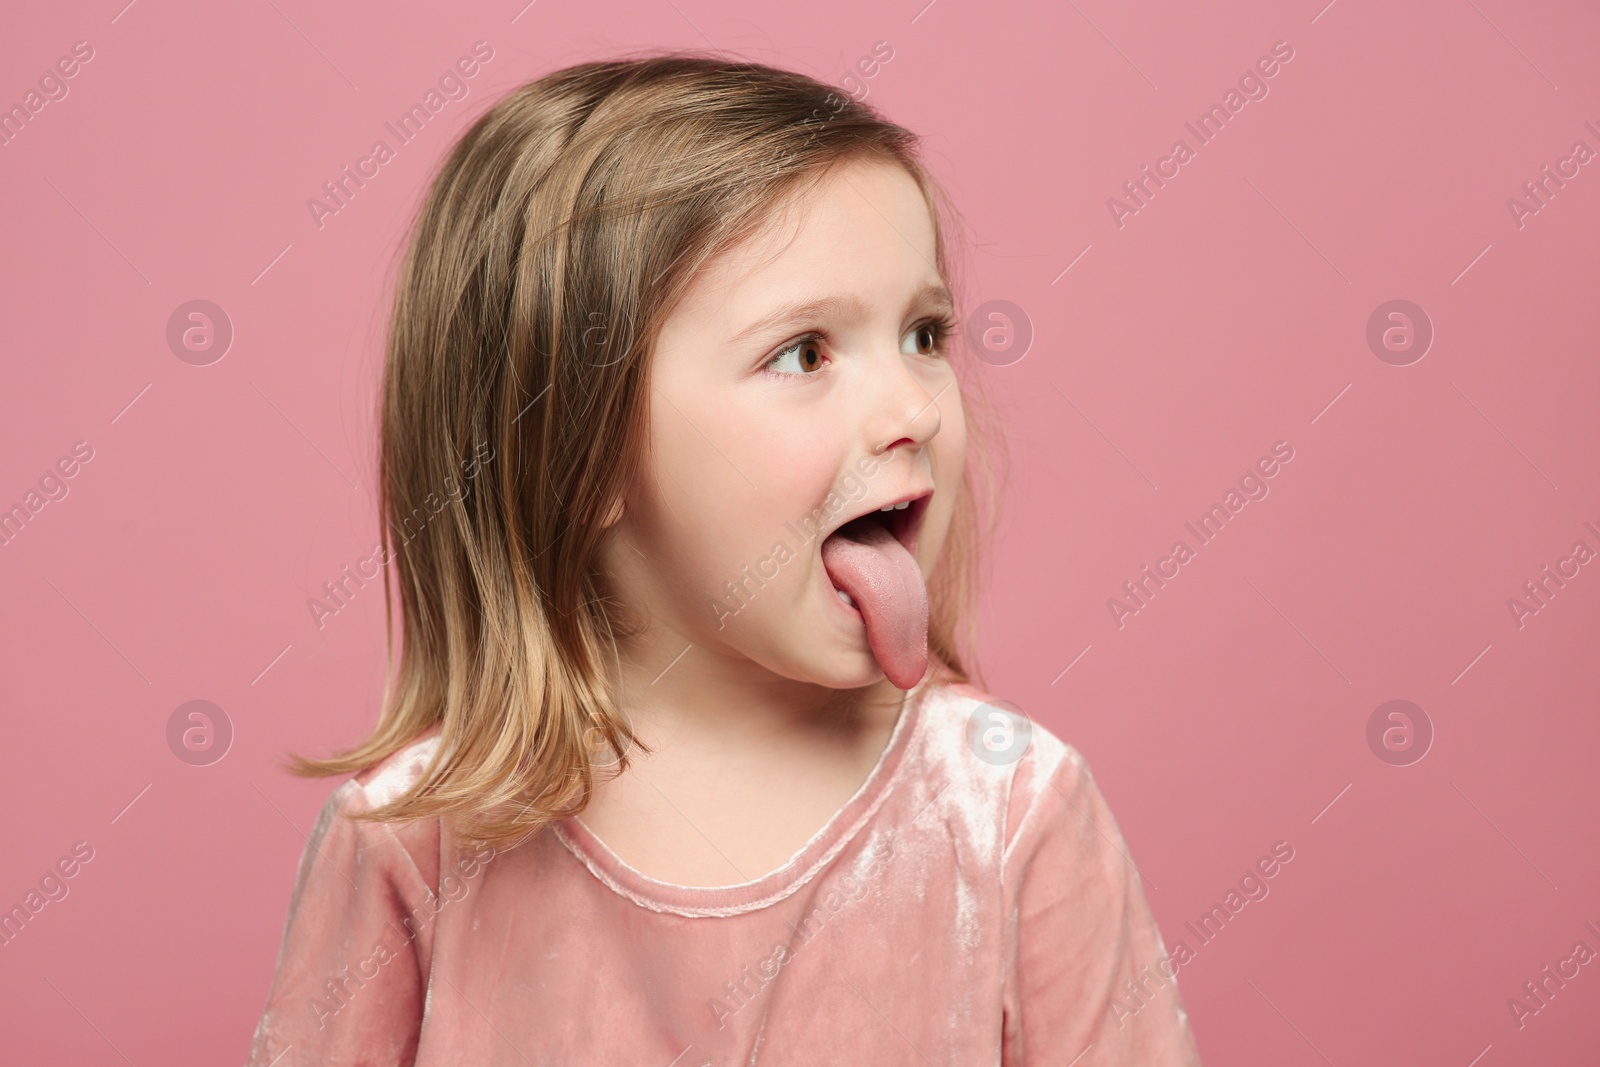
734	702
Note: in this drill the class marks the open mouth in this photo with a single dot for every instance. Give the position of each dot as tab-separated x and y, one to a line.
902	518
870	560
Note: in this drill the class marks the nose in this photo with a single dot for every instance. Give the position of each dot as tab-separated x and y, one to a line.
902	409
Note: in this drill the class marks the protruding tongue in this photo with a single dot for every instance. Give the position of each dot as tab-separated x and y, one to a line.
886	584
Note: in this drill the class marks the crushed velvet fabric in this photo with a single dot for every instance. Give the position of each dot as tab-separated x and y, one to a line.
957	910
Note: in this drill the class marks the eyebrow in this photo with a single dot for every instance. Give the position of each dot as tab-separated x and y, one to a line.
935	293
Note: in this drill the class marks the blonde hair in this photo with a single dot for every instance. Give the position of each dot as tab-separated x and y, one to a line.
557	236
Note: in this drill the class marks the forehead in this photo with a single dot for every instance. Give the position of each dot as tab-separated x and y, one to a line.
864	228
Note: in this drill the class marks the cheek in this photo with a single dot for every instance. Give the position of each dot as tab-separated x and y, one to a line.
949	455
791	504
726	492
950	445
779	469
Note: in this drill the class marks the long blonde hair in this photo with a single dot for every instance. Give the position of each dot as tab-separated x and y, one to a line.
559	232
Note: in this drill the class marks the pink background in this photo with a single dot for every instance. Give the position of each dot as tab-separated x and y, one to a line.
1228	314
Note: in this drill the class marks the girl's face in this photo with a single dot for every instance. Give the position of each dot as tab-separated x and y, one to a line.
802	382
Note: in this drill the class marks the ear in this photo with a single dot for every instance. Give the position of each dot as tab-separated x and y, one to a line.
616	513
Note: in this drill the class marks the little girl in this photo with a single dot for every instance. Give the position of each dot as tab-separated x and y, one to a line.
681	765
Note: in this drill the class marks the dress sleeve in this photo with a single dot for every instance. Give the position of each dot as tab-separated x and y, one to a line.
351	978
1090	984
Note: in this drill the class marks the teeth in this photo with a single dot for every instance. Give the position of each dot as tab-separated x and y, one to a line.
845	597
896	507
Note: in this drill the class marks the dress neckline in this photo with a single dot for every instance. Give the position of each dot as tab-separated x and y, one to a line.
824	845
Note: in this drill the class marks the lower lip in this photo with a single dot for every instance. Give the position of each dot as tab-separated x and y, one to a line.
833	594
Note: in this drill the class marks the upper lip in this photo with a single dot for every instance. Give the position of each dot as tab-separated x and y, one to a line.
903	524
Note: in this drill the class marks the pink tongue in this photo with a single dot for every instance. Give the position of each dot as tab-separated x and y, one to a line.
886	584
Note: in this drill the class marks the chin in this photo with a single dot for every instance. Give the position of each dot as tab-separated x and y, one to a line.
856	677
839	670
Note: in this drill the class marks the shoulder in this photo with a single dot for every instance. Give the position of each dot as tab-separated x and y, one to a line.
1007	760
390	777
414	845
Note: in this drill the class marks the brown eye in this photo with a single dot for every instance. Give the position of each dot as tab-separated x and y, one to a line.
803	357
929	338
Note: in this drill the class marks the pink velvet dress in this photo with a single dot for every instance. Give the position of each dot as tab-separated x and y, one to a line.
964	907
